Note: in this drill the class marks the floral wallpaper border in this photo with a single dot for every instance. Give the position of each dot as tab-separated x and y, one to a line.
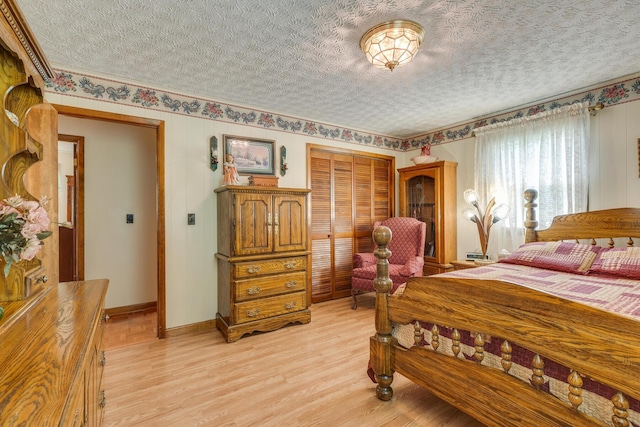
624	89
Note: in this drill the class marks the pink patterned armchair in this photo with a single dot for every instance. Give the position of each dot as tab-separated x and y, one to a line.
407	256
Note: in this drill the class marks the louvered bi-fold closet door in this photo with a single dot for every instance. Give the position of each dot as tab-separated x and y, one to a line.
348	195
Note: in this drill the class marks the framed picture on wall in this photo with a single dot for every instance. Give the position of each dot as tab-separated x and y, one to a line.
251	156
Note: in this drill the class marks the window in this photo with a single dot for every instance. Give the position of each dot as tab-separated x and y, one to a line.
547	152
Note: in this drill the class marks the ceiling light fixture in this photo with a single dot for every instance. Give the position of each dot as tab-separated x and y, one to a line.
392	44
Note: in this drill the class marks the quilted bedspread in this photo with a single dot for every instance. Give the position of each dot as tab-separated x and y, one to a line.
610	293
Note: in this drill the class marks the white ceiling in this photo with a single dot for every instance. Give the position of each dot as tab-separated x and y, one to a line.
302	57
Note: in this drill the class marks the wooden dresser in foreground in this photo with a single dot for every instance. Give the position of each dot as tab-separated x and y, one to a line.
52	358
263	259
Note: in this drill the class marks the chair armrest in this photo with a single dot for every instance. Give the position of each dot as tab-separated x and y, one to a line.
413	267
364	259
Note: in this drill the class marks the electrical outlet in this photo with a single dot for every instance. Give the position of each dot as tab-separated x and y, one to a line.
129	218
191	219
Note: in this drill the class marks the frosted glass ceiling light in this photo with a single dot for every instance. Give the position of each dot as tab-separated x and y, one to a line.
392	44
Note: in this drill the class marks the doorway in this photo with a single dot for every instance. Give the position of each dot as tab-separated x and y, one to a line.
158	126
71	207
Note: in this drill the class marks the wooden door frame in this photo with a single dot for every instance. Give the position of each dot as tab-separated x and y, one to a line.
158	125
78	200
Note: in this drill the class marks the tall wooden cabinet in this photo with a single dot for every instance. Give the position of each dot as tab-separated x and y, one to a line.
428	193
28	144
263	259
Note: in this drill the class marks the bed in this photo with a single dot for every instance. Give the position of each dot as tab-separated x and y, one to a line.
554	350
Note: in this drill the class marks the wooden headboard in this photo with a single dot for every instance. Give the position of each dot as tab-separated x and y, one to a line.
604	224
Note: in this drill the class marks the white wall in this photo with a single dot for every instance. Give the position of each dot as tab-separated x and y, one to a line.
65	167
119	179
191	290
190	267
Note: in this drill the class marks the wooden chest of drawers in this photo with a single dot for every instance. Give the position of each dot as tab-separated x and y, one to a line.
262	259
52	358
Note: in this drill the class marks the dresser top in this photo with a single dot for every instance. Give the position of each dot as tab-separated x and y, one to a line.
45	345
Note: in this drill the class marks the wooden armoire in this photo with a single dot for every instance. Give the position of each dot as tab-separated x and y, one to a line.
350	190
263	259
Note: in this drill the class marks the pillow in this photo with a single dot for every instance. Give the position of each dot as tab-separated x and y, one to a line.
559	256
623	261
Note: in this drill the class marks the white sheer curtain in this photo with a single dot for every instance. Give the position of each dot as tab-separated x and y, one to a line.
547	152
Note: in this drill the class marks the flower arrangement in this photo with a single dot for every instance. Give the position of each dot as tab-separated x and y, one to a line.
23	226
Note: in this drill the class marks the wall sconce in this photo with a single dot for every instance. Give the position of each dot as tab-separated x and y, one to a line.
484	221
213	151
283	161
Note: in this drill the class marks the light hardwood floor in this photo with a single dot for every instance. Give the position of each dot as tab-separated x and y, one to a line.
302	375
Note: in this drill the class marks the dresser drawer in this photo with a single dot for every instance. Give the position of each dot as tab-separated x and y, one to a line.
249	311
261	287
272	266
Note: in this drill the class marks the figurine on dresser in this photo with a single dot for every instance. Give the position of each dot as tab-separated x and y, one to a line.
230	176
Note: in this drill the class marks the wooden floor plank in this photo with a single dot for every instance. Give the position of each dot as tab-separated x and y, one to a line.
302	375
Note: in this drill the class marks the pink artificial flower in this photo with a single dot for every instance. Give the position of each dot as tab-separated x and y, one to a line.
33	246
39	217
30	230
8	210
29	205
14	201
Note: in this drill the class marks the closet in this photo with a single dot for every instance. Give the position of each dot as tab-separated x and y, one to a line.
350	190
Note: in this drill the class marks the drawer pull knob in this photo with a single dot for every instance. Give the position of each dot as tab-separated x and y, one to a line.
253	269
253	290
291	284
42	279
253	312
290	305
289	265
103	358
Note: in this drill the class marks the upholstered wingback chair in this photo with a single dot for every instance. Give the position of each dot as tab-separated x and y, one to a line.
407	256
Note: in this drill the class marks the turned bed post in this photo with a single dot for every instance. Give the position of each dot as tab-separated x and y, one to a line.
530	222
382	342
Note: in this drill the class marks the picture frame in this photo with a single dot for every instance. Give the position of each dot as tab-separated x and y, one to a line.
251	156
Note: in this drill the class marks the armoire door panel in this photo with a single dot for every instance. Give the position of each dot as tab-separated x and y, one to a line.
289	223
254	218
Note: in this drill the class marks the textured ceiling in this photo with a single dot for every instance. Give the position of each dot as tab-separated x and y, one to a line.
302	57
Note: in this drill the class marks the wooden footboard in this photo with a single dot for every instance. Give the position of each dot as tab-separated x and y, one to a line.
596	344
592	343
